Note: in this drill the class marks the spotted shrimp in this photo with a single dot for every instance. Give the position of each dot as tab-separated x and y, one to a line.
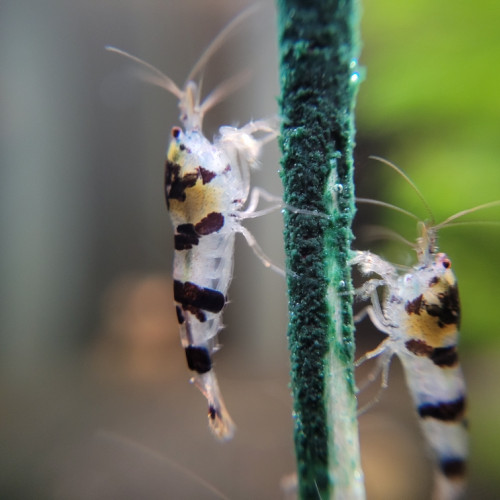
207	186
420	314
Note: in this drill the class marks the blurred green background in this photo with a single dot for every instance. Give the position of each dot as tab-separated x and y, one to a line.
95	399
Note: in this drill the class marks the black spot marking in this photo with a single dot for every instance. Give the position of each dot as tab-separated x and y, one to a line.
210	224
433	281
447	411
448	311
444	356
186	229
440	356
433	309
419	347
179	186
206	175
171	173
198	359
180	316
213	412
182	147
189	294
186	238
414	306
185	241
453	467
189	235
200	315
175	186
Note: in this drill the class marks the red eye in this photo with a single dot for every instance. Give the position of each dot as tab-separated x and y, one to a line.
446	263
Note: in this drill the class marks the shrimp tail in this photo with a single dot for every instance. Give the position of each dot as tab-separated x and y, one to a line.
220	422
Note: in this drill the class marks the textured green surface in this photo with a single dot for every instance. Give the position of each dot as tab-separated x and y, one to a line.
318	49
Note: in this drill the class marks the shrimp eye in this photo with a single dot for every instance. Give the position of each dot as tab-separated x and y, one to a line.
446	263
176	132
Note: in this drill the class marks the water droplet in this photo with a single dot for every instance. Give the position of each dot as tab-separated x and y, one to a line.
338	188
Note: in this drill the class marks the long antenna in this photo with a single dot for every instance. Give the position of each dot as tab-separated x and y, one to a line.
219	40
379	203
410	182
191	109
376	232
155	76
223	90
466	212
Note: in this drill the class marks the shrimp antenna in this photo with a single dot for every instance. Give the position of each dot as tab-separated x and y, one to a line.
410	182
223	90
219	40
154	76
446	223
192	111
379	203
375	232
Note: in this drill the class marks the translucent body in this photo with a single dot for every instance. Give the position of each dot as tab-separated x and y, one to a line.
206	187
420	313
207	184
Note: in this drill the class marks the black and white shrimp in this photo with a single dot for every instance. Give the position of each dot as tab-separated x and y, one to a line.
207	185
420	314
